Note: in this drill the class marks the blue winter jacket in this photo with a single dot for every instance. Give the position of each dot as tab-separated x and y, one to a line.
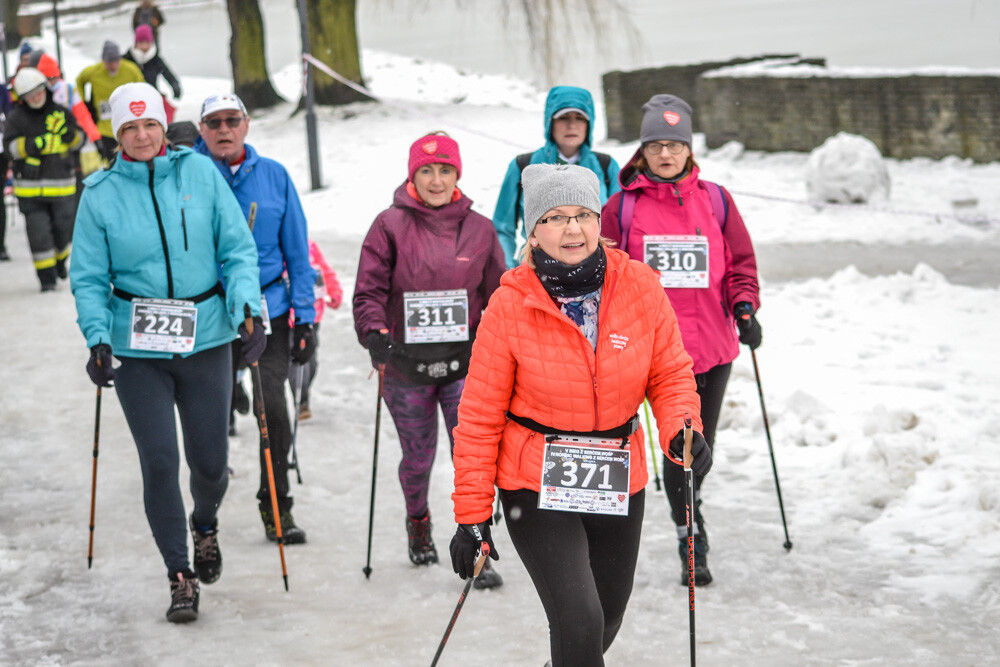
279	230
505	217
161	239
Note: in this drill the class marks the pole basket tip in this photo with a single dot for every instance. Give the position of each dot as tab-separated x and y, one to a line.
367	571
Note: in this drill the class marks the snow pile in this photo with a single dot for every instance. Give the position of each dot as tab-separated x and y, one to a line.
847	169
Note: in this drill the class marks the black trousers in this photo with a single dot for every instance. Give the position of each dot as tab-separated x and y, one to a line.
4	165
49	222
273	364
582	566
711	389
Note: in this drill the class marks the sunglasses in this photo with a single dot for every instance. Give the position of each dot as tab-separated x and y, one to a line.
216	123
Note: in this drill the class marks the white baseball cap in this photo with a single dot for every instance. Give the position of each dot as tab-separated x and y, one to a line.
563	112
229	101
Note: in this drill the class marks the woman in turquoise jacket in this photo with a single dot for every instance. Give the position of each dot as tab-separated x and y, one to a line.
151	233
569	135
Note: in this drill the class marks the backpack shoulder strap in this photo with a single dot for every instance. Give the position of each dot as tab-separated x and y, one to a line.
720	207
605	160
626	207
522	161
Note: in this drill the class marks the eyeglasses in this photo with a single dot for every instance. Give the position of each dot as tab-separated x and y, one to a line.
560	221
215	123
673	147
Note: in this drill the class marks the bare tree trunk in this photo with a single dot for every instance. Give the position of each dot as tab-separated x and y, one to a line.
10	23
251	80
333	36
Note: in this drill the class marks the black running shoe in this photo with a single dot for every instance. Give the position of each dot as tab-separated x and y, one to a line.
184	594
207	557
421	546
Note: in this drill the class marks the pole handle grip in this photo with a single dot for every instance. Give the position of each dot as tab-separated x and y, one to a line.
688	439
481	561
248	318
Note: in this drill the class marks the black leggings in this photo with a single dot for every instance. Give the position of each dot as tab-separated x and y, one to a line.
711	389
582	567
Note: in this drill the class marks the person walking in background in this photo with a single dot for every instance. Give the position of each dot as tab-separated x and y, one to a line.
690	231
147	13
146	56
428	266
570	345
281	235
152	232
569	136
328	293
102	78
6	106
39	137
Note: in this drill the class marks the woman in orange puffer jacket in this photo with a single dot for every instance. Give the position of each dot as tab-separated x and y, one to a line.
567	349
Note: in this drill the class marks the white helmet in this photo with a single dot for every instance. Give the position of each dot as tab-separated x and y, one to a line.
27	80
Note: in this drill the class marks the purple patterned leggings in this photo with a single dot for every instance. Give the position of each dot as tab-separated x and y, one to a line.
414	411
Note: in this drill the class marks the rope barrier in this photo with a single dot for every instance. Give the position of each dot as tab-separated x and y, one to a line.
968	219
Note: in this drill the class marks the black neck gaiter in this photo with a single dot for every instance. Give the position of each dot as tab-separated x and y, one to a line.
566	280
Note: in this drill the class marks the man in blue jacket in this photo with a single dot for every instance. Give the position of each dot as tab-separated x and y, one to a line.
279	229
569	135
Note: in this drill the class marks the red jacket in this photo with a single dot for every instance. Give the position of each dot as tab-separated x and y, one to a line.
531	359
705	314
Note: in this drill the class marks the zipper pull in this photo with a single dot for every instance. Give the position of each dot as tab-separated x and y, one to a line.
677	192
697	230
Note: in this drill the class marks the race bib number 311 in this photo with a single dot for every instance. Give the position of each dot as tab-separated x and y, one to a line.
436	317
585	475
163	325
681	260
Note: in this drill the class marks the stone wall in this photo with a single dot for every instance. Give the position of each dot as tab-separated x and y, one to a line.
626	92
906	114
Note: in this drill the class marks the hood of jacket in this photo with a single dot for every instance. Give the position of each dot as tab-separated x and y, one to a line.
564	97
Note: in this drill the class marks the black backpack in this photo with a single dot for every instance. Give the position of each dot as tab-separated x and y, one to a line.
524	159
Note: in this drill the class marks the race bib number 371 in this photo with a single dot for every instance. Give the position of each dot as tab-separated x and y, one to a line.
681	260
163	325
585	475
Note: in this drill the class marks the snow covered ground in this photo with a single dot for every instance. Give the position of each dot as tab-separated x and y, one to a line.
881	392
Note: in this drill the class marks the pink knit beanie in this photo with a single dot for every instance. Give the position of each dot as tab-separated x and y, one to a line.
434	148
143	33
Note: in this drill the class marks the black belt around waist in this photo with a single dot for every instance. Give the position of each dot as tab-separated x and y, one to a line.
216	289
623	431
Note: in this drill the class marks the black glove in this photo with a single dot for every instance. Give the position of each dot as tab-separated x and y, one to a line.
748	325
33	146
379	345
253	343
303	343
465	546
99	367
701	453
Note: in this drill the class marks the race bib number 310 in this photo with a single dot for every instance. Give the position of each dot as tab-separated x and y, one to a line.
163	325
681	260
585	475
436	317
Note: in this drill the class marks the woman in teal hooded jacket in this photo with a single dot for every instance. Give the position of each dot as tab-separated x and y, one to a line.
151	234
569	135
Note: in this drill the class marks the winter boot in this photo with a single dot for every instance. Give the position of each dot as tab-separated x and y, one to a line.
290	533
702	576
304	411
488	577
422	549
207	557
61	269
47	277
241	402
184	593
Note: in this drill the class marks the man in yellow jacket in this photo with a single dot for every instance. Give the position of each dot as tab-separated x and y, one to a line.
103	78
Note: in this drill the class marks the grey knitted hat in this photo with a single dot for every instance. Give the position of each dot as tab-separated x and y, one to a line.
110	52
549	185
666	118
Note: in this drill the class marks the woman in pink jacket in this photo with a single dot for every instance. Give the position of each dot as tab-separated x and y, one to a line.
690	232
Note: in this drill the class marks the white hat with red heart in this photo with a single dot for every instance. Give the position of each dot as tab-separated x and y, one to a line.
134	101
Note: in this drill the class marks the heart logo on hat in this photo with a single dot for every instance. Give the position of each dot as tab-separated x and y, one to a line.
137	108
430	147
672	117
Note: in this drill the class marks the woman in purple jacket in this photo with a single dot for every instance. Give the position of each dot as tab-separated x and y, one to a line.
690	231
428	267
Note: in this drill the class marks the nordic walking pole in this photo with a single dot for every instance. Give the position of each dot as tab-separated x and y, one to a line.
652	450
371	508
689	513
484	551
93	481
770	448
296	400
258	399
